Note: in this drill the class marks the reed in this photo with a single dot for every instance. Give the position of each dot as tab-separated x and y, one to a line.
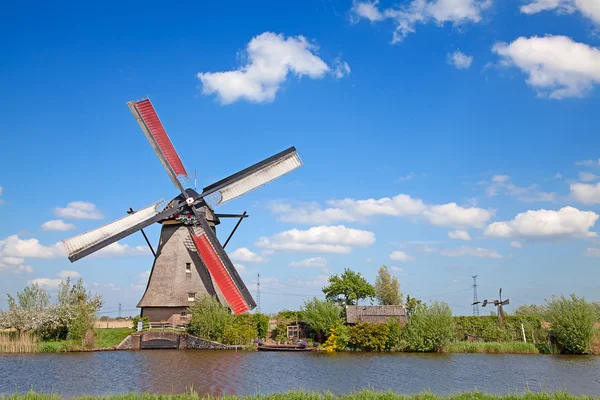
491	347
301	395
18	342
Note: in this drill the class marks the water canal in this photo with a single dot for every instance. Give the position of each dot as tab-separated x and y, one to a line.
223	372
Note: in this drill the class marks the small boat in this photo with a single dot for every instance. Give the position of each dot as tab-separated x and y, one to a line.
283	347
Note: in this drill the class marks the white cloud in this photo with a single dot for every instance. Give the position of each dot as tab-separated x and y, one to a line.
394	268
586	193
57	225
271	58
406	177
341	69
568	222
47	283
319	239
14	265
558	175
79	210
319	280
241	269
589	8
13	246
141	281
460	60
529	194
468	251
588	163
245	255
592	252
407	16
557	67
64	274
459	235
588	176
314	262
351	210
118	249
401	256
1	190
515	244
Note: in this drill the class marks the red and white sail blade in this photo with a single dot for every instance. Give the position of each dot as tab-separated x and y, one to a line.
222	270
89	242
147	118
252	177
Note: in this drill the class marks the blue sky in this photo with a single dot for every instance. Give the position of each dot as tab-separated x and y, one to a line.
441	138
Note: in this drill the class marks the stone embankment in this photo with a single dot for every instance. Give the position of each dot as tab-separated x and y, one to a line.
169	340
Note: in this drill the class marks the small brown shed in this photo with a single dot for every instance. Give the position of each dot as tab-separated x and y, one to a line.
375	314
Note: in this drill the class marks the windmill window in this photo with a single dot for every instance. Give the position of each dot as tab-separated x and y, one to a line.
191	296
188	268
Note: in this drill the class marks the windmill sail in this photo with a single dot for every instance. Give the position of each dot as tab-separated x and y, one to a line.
89	242
221	268
147	118
252	177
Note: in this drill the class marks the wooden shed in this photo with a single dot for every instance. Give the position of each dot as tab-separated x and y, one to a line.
375	314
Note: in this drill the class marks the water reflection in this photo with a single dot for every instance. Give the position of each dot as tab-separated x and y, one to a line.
225	372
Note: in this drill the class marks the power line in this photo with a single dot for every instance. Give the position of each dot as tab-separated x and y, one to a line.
475	301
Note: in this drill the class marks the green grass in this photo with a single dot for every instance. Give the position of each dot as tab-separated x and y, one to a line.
491	347
111	337
299	395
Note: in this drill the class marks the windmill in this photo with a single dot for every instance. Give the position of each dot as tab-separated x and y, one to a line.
497	303
189	260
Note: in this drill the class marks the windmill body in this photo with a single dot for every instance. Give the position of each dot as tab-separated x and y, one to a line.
190	261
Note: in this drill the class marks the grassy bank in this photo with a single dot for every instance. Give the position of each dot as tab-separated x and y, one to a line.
11	342
491	347
361	395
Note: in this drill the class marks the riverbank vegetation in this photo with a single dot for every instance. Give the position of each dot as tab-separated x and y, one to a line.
303	395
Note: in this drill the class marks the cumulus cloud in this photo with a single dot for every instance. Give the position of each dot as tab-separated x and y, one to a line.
529	194
459	60
270	59
314	262
588	176
401	256
118	249
592	252
589	8
64	274
556	66
341	69
241	269
1	190
468	251
586	193
515	244
57	225
407	16
568	222
588	163
394	268
402	205
79	210
318	239
459	235
245	255
14	246
14	265
48	283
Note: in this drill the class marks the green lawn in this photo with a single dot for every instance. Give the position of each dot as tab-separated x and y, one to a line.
105	338
362	395
491	347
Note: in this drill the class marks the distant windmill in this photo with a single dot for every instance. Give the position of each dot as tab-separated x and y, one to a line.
499	304
189	261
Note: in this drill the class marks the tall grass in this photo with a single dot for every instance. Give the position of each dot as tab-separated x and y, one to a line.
491	347
18	342
300	395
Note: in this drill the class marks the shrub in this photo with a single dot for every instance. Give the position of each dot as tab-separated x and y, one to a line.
395	331
261	322
429	328
337	339
241	331
321	315
209	318
368	337
572	321
145	322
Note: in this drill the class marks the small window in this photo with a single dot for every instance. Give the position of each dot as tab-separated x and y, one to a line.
191	296
188	268
183	313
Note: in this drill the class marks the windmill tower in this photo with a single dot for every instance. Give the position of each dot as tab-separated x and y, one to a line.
498	303
475	301
189	261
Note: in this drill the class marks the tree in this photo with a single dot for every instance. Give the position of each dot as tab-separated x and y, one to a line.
411	304
209	318
530	310
321	315
572	320
348	288
430	327
387	288
77	308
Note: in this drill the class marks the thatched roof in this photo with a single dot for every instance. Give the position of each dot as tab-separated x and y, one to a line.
374	314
